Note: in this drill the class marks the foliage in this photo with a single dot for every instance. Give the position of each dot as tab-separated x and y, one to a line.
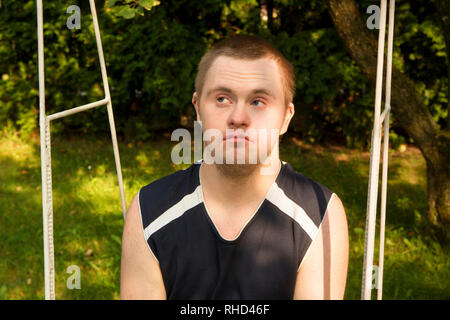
152	49
420	52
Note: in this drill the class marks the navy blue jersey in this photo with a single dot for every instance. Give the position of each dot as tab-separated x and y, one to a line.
261	263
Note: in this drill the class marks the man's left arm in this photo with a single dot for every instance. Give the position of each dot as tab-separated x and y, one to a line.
323	271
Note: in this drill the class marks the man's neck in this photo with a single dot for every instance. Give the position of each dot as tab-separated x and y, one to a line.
236	187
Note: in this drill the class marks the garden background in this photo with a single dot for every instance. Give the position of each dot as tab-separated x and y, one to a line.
152	49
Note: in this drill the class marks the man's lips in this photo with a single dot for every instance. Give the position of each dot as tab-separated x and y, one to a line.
237	137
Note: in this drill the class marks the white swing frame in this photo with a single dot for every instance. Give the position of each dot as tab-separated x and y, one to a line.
46	168
379	119
372	197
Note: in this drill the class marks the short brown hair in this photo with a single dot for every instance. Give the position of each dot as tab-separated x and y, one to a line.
247	47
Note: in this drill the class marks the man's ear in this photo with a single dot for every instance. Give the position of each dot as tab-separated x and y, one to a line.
287	118
196	103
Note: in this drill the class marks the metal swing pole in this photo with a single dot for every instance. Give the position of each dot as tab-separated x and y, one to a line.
385	147
375	158
44	123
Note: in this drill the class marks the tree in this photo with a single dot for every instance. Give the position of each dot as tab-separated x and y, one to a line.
407	105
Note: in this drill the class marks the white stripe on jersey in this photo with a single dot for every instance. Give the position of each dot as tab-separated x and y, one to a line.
293	210
189	201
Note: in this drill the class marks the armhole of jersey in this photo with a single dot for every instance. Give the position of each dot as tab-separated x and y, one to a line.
315	236
142	225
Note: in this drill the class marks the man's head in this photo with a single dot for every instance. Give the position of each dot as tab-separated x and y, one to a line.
245	83
246	47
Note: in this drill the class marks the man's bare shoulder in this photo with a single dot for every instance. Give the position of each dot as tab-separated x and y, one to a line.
140	272
323	273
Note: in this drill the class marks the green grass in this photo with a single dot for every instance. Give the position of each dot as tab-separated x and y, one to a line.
88	220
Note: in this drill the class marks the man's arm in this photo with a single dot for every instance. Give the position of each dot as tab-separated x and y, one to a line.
140	274
323	271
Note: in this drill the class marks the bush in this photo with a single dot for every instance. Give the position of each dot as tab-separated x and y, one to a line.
152	50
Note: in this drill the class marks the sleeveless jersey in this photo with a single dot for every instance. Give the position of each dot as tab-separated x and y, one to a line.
261	263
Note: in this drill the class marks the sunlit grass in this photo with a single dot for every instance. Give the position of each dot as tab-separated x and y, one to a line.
88	218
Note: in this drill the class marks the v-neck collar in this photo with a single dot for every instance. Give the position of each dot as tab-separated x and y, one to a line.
252	217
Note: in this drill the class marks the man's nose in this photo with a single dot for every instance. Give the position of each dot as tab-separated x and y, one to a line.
239	116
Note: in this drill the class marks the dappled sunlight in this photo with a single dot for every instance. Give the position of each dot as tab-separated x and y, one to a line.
98	188
144	162
409	166
142	158
347	175
88	219
20	151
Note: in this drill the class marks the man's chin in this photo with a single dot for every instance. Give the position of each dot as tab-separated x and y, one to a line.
237	170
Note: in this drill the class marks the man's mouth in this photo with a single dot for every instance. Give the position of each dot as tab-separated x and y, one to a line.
236	138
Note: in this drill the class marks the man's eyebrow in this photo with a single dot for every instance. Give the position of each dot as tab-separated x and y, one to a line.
216	89
264	91
253	92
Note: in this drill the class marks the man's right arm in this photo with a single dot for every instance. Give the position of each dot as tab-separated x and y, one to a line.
140	274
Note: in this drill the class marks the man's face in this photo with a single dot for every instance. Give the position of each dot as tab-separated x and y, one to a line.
244	97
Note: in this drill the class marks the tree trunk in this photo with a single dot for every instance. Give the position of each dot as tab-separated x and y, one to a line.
408	108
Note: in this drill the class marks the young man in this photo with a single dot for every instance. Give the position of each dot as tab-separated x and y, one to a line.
227	230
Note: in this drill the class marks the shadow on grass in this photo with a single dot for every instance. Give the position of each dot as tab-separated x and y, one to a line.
406	209
83	223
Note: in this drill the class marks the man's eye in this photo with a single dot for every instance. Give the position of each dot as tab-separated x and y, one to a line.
258	101
221	99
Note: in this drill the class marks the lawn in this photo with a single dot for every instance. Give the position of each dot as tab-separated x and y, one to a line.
88	219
